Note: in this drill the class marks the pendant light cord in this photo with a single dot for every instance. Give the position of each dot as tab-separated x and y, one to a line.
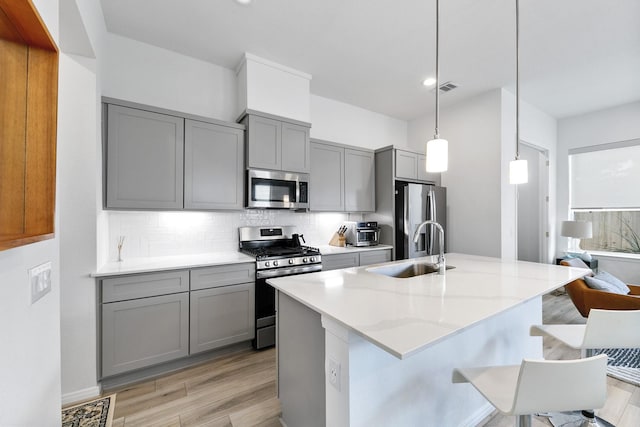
437	132
517	79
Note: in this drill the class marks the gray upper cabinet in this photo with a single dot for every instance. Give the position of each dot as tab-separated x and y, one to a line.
213	166
412	166
341	178
359	181
144	159
276	144
326	187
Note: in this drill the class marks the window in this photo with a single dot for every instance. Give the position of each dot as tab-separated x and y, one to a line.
605	189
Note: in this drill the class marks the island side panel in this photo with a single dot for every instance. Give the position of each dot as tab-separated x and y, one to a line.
300	355
379	389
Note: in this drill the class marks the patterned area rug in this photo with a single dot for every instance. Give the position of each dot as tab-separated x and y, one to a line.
623	364
96	413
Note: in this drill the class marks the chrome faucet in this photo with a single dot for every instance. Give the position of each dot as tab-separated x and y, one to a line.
416	236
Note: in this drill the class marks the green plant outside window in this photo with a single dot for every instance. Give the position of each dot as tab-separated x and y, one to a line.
613	231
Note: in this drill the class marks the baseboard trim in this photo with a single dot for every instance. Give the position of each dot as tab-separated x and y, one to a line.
80	395
480	415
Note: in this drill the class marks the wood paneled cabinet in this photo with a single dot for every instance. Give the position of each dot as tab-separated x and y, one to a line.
342	178
355	259
276	144
158	159
152	318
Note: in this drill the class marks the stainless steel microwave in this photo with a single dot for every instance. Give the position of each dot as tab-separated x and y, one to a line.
277	190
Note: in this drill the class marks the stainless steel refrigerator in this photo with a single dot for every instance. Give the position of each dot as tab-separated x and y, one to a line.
416	203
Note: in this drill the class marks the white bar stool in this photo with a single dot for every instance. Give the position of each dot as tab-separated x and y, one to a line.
604	329
540	385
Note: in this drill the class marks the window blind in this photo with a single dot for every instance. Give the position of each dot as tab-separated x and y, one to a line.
605	176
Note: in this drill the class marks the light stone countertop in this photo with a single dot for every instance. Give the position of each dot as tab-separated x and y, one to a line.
404	316
335	250
153	264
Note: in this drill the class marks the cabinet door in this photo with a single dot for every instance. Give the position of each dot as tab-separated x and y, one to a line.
295	148
326	187
423	175
375	257
222	316
406	165
213	166
144	332
359	181
264	142
144	159
338	261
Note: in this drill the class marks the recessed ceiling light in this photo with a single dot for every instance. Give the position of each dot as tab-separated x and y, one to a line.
429	81
243	2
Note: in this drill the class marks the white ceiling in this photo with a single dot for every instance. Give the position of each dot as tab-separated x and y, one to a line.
575	55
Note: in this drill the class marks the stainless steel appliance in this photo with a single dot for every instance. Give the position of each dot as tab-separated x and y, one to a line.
278	253
362	233
416	203
274	189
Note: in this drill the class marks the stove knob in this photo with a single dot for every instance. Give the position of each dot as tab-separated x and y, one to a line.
304	260
312	259
266	264
275	263
290	261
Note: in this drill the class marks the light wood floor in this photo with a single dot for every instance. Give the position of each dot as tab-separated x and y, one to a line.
239	390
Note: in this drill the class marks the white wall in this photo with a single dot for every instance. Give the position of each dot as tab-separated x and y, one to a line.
30	334
620	123
473	179
347	124
139	72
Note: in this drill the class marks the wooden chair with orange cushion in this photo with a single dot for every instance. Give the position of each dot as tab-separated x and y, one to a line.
586	298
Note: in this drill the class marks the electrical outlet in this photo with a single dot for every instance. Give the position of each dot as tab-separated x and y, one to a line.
334	373
40	281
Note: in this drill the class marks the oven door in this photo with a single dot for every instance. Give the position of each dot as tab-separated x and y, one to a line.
274	189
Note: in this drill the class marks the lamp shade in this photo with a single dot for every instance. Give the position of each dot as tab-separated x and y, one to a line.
518	172
576	229
437	155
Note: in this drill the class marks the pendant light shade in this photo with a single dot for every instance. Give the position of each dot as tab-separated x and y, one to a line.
437	152
518	170
437	155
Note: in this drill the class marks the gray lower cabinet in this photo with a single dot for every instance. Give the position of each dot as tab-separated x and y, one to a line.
326	186
144	152
213	166
355	259
221	316
375	257
276	144
143	332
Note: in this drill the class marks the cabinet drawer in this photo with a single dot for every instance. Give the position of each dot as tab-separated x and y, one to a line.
375	257
144	285
224	275
335	262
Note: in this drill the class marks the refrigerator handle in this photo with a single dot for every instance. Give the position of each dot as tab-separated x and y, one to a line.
433	216
411	247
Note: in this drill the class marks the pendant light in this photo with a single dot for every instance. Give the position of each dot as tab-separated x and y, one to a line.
437	149
518	173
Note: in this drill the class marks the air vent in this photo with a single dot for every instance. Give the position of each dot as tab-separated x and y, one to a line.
448	86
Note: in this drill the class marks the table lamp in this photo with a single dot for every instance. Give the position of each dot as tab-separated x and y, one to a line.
576	230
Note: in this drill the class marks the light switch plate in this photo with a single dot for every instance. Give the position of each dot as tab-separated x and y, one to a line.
40	281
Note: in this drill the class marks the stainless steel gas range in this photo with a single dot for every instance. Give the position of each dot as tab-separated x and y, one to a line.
278	253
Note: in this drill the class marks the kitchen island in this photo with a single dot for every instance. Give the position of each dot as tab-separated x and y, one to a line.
360	348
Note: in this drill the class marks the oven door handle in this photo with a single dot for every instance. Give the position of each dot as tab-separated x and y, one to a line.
281	272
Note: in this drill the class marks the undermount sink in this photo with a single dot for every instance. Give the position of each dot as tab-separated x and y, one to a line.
409	269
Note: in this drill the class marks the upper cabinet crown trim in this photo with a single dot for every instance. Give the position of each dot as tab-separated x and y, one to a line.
272	117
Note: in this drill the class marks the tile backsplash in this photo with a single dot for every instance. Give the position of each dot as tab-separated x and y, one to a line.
150	234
